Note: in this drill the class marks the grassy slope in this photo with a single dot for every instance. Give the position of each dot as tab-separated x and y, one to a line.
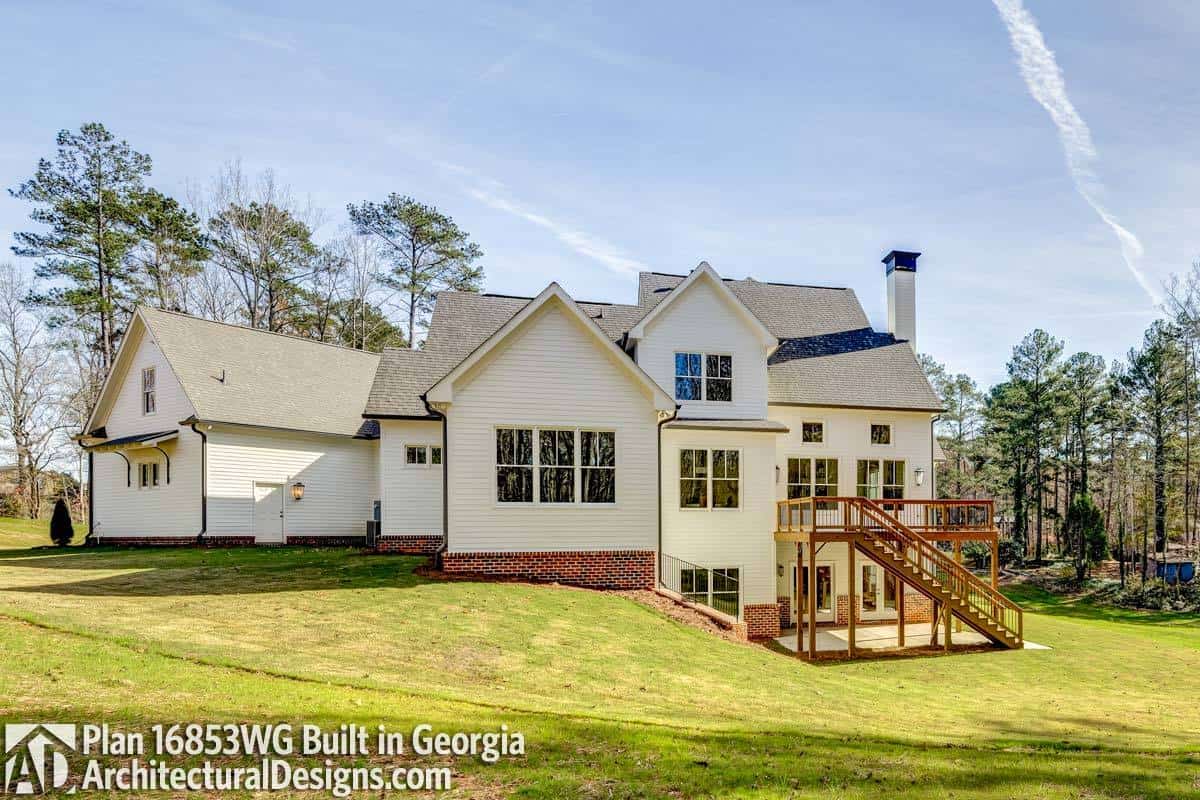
616	700
24	532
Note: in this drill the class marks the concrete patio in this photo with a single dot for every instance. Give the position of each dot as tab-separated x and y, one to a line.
883	637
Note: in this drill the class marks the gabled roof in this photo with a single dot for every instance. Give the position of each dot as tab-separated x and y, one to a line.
704	273
243	376
860	368
443	389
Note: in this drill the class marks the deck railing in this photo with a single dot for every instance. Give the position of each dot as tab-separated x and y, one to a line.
813	514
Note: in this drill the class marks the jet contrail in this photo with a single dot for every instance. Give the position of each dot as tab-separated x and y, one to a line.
1045	82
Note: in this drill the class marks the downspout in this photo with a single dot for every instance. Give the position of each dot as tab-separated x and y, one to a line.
203	482
437	557
91	537
932	462
658	558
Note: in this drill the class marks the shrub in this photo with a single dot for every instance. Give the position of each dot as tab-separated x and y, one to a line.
61	529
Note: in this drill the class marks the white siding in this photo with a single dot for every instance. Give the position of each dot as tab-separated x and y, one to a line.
170	509
742	538
550	372
902	305
702	321
411	495
339	475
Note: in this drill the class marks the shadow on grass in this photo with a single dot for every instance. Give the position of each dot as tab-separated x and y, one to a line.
195	571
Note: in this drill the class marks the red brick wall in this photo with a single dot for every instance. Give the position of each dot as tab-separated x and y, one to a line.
762	620
785	612
596	569
416	545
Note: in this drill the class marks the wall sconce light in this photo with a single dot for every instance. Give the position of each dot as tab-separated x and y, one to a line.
297	490
777	474
779	570
919	474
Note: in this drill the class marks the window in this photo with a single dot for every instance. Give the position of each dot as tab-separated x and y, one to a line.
881	479
889	591
572	466
693	479
715	588
556	470
514	465
870	588
718	379
881	434
148	475
812	477
598	466
416	455
714	384
148	398
687	376
812	432
435	455
697	485
725	591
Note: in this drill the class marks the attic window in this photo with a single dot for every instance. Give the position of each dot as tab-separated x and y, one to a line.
149	405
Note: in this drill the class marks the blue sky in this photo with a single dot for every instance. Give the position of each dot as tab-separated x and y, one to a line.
582	142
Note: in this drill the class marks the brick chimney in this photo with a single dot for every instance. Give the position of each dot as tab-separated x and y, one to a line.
901	267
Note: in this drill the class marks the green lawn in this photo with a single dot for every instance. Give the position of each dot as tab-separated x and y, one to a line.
615	699
25	532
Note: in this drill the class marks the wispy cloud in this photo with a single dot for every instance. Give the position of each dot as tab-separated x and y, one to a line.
273	42
1045	82
494	194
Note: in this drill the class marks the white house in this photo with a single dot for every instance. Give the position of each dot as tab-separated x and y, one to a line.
599	444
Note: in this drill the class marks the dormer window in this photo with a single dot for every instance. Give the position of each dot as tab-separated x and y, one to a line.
703	377
149	404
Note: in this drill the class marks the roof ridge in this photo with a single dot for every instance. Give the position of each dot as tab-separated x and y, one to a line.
256	330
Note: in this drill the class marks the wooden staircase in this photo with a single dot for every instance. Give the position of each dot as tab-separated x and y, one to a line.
917	561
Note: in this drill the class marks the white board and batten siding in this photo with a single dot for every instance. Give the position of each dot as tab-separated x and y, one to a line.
410	495
723	538
551	372
170	509
338	473
702	321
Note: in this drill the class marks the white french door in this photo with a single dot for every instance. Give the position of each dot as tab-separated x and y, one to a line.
877	592
825	598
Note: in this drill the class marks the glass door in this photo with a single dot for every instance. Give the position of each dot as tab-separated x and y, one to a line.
824	593
877	592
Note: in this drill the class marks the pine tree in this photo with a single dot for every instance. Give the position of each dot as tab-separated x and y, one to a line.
61	529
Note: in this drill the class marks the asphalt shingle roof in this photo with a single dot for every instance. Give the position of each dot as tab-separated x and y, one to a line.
270	380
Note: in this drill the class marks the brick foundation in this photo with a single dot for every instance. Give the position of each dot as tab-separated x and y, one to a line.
762	620
917	608
785	612
595	569
413	545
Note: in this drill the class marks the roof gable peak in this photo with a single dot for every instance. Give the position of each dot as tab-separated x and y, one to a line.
705	272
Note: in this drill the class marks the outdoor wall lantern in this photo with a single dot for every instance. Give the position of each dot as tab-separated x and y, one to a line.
919	474
297	490
779	570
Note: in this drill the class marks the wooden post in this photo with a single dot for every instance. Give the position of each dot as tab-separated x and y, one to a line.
948	625
996	563
798	593
935	619
812	596
850	548
900	613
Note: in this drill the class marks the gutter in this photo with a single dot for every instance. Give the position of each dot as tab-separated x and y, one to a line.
445	480
91	537
203	480
658	558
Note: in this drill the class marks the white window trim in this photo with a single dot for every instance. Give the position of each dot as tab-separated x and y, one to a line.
577	468
703	377
878	459
142	392
810	456
428	455
150	484
824	434
740	479
892	432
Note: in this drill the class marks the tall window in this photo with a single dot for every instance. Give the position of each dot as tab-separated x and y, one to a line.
700	487
881	479
514	465
693	479
812	477
556	459
703	377
148	398
572	466
598	466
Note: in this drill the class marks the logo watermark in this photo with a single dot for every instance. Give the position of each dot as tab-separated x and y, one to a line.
35	757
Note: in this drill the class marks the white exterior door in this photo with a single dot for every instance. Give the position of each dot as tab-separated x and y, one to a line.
268	513
877	592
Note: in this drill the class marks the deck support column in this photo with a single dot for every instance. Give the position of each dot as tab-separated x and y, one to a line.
899	613
948	625
852	613
935	619
801	604
812	598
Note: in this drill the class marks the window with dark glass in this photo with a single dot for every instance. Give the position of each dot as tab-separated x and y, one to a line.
435	455
693	479
416	455
725	476
880	479
688	377
881	434
598	466
556	459
812	477
812	432
514	465
149	397
718	378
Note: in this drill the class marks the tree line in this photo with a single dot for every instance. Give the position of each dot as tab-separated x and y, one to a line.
240	249
1087	460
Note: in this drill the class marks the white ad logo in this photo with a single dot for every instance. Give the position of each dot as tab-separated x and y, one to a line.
35	757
